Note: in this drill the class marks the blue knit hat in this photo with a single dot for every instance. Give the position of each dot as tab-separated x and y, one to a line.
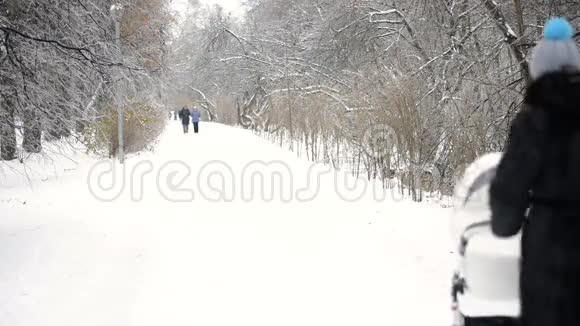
557	51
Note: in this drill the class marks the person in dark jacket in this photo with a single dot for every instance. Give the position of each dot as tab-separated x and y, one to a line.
537	184
184	115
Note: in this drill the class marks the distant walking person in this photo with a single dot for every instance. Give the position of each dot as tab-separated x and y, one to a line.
195	116
184	115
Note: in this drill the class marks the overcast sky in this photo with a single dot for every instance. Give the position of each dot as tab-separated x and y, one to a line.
229	5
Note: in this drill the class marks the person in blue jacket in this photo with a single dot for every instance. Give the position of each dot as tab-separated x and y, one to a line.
195	117
537	184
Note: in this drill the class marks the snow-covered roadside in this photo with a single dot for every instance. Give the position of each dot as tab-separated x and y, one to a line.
69	259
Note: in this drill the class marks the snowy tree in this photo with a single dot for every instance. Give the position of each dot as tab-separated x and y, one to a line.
59	65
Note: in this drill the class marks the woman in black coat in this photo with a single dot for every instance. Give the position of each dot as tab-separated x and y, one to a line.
184	115
537	184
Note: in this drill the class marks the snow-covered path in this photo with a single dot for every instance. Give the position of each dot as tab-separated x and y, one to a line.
67	258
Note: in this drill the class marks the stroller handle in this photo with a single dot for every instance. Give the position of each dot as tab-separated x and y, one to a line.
468	232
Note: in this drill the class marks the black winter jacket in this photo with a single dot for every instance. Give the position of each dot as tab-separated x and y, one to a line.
184	115
540	170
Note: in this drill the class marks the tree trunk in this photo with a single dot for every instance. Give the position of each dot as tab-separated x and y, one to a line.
32	132
313	147
519	16
7	133
337	153
306	145
239	112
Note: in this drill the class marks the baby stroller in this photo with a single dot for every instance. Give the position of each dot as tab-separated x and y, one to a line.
485	287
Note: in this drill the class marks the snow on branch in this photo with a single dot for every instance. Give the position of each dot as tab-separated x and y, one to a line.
372	18
499	19
453	47
510	36
211	107
412	39
315	89
83	51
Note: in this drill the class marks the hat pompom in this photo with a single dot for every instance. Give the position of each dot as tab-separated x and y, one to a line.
558	29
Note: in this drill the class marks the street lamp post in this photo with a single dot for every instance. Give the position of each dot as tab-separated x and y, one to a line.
117	13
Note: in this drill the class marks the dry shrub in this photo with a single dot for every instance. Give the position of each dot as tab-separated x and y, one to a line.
143	123
227	110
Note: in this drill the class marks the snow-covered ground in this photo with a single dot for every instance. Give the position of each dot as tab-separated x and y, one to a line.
190	238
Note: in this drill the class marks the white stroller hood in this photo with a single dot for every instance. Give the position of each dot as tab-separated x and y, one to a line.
471	197
487	265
